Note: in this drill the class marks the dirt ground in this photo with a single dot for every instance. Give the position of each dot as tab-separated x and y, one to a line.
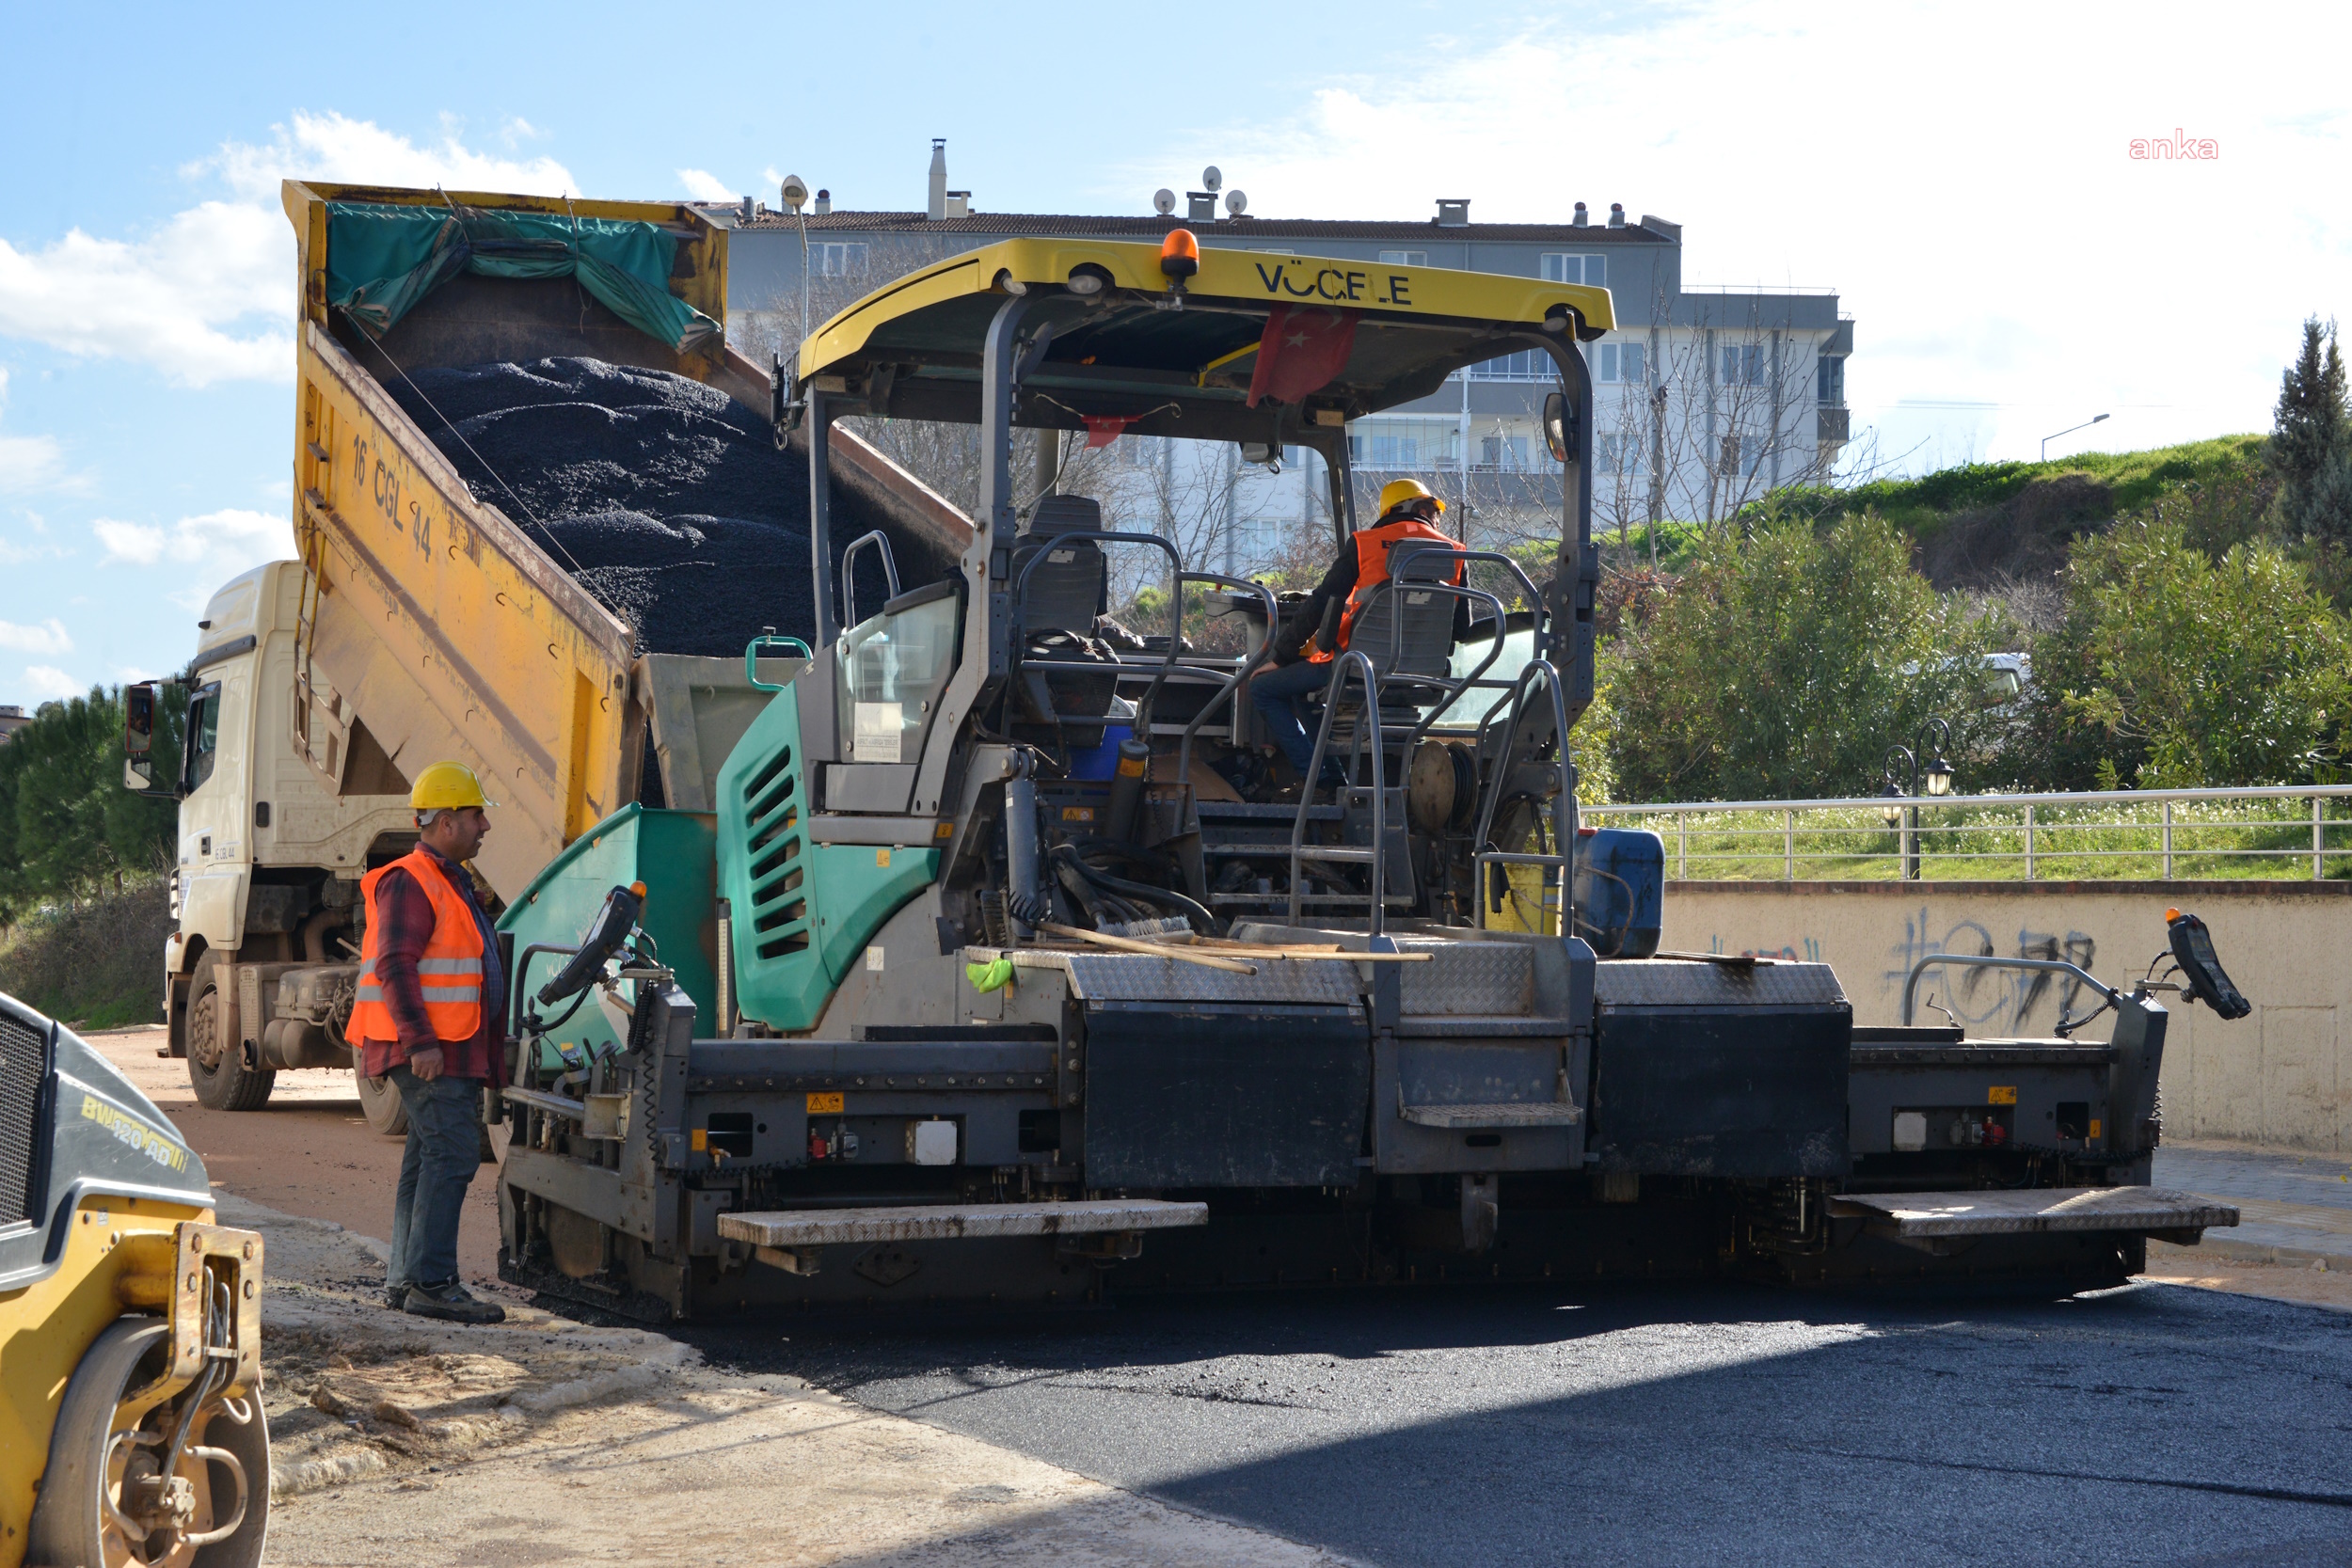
309	1152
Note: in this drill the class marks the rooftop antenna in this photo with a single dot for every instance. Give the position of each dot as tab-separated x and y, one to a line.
1211	179
1164	201
1236	203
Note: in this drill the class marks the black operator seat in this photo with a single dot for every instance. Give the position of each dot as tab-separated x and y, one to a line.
1059	609
1073	587
1430	620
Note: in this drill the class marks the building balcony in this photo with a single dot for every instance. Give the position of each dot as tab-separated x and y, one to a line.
1830	426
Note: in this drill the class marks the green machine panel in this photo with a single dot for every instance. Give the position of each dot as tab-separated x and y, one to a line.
802	912
675	854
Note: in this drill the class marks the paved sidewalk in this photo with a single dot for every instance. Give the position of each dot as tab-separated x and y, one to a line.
2293	1208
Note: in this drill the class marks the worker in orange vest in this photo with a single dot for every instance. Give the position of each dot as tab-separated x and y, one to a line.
1407	511
428	1017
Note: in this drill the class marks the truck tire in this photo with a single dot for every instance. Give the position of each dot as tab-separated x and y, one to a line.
217	1068
379	1102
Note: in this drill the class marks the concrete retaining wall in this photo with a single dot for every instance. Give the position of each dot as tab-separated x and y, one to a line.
2281	1076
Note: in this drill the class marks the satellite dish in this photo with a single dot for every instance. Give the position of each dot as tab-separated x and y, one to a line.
1164	201
795	192
1211	181
1235	203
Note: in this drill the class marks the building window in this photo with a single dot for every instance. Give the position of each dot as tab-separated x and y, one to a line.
1832	388
1529	364
1507	453
1401	443
1619	362
1573	267
1257	541
1744	455
837	261
1623	454
1743	366
1405	258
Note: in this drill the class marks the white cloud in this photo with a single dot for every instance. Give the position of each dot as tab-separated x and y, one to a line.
702	185
332	147
28	462
47	638
47	680
215	545
209	295
1982	217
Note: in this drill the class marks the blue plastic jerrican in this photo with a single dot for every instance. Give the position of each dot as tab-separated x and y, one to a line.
1620	891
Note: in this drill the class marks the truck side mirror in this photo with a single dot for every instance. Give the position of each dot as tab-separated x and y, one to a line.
1558	432
138	736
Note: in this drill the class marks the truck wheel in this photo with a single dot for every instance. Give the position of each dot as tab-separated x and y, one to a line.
102	1455
217	1067
379	1102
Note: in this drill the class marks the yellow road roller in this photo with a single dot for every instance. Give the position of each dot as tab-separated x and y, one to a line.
131	1430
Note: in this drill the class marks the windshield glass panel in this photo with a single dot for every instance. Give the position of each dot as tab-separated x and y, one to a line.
893	668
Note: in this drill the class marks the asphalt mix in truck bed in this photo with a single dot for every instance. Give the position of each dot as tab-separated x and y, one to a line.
665	497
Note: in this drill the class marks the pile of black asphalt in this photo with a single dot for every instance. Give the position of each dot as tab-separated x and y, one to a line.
666	499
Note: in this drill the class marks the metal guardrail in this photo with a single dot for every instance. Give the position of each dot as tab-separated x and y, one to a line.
2269	833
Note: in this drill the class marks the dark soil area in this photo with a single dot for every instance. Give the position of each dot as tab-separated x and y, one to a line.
2024	536
97	964
665	497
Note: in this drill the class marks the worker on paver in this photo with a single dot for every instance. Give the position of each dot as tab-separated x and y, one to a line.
1408	511
431	998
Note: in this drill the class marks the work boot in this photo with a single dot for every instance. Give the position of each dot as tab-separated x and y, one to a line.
452	1302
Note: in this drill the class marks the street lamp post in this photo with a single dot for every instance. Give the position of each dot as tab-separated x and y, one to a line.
2068	431
1901	811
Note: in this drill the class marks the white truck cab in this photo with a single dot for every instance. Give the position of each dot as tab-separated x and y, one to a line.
266	888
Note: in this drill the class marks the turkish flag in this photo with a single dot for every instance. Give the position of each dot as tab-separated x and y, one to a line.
1301	350
1103	429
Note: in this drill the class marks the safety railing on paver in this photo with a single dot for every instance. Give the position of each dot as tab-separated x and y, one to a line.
2281	832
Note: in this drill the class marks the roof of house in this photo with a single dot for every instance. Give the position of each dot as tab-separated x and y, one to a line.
1651	230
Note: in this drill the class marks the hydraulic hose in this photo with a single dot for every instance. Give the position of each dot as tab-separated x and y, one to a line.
1202	921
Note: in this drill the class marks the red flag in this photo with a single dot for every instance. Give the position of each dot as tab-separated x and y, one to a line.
1301	350
1103	429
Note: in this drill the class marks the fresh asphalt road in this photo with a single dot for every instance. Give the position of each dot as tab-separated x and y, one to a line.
2148	1424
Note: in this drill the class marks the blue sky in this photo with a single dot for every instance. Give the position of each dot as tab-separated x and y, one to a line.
1963	176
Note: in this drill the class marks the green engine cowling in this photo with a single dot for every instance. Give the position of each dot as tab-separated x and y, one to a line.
802	912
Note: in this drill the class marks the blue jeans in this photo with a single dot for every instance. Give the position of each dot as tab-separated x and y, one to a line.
443	1152
1275	694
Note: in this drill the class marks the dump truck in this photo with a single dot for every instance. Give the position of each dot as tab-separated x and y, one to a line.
420	620
132	1429
992	971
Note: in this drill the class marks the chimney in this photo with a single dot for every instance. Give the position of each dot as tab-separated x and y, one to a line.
939	178
824	203
1616	214
1581	218
747	209
959	204
1200	206
1454	211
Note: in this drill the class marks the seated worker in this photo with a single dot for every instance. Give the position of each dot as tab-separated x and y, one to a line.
1407	511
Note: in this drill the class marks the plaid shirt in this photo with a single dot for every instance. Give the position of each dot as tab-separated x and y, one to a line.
403	925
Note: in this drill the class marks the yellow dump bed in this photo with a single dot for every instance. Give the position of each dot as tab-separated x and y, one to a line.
434	624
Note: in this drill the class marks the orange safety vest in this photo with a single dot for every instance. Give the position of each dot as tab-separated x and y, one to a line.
449	974
1372	569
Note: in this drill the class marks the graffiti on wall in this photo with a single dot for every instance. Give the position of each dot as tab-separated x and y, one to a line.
1995	1000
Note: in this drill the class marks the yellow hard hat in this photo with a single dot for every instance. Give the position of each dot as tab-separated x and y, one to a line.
1398	491
445	786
